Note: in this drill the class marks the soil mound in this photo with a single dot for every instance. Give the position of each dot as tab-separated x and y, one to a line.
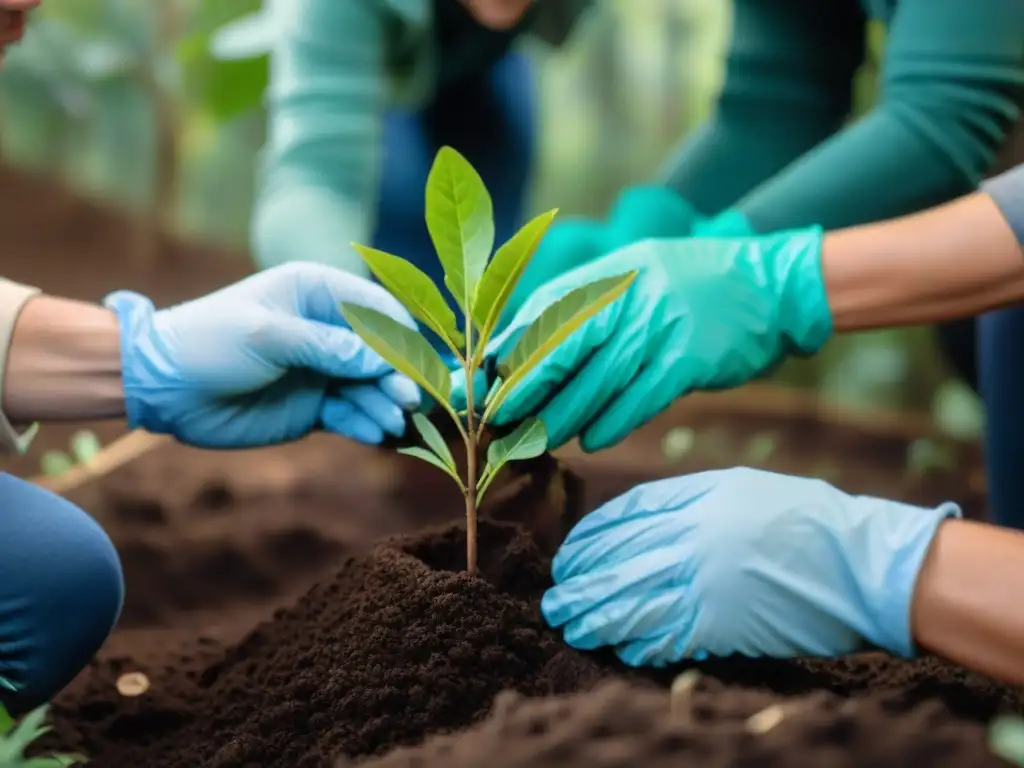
401	646
398	646
620	726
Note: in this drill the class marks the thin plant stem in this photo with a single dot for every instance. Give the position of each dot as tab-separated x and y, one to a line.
472	440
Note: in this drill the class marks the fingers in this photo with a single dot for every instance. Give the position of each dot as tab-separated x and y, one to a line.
651	516
402	391
556	369
651	391
597	382
344	418
329	350
636	599
322	290
377	406
458	396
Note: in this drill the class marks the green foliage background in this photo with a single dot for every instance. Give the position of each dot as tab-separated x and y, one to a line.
99	87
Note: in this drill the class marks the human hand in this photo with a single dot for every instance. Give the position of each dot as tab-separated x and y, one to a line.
701	314
638	213
729	223
741	561
263	361
13	17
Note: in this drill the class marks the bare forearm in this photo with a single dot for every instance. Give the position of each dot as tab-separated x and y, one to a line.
64	363
967	599
952	261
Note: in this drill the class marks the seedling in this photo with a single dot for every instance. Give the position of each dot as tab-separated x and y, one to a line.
84	447
460	220
16	737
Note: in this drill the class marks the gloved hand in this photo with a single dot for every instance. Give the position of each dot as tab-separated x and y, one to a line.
638	213
701	314
264	361
730	223
741	561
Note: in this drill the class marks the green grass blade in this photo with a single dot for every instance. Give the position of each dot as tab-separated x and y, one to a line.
431	458
432	437
403	348
460	219
416	291
554	325
502	275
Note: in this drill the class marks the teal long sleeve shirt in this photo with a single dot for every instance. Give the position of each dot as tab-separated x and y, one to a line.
780	148
335	67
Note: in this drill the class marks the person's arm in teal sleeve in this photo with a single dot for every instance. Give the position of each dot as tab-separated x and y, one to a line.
788	87
321	164
951	88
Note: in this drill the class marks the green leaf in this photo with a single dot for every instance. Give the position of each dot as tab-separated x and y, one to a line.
85	445
30	727
54	761
55	463
416	291
460	219
503	273
403	348
528	441
6	721
1006	739
555	325
431	458
432	437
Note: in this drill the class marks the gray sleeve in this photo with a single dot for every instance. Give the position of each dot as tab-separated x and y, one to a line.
1007	190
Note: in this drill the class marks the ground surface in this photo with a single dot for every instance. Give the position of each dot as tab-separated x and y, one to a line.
274	633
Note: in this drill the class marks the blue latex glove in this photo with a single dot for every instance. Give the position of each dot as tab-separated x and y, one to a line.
741	561
701	314
264	361
638	213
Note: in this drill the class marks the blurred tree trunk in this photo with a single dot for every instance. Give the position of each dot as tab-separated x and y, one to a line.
164	196
678	34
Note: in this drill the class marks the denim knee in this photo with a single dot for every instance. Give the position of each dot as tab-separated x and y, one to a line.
61	592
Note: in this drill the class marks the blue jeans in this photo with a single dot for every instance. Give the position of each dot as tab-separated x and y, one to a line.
1001	379
61	592
490	120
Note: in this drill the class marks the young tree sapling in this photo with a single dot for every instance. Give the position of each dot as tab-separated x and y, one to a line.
460	219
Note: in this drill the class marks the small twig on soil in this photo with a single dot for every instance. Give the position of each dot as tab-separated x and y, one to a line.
681	695
132	684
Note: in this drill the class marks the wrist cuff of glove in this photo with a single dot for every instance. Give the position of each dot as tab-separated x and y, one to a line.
645	212
135	318
731	223
804	314
891	592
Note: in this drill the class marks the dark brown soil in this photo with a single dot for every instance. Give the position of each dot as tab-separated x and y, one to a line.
618	725
275	633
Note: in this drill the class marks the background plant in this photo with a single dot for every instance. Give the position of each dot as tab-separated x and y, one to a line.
84	447
460	219
17	736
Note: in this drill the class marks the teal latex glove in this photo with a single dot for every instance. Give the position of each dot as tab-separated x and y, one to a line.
638	213
263	361
741	561
701	314
730	223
